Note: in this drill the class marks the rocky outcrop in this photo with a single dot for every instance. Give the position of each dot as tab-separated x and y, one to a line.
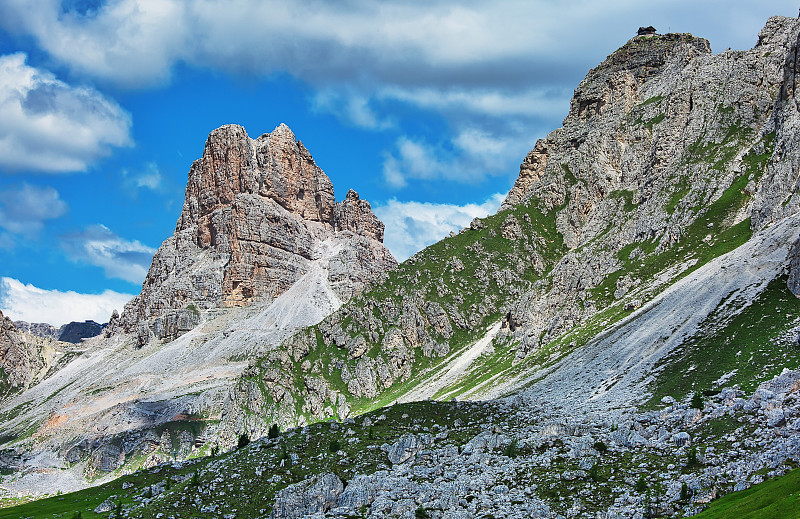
24	358
75	332
355	215
255	213
312	496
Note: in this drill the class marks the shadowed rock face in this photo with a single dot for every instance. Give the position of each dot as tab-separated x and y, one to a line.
254	214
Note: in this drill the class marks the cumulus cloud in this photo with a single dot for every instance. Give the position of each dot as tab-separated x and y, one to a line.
50	126
119	258
412	226
533	102
26	302
24	210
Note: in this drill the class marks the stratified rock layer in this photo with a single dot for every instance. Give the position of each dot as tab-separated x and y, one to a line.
255	212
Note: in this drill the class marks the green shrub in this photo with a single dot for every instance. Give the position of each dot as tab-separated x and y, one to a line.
195	482
697	401
215	450
285	456
274	432
600	446
594	473
77	515
421	513
334	445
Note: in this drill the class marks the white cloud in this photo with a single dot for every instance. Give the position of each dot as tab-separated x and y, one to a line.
26	302
412	226
350	106
25	209
120	258
468	157
149	176
50	126
394	41
533	102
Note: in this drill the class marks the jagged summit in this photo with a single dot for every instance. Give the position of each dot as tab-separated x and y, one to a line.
254	213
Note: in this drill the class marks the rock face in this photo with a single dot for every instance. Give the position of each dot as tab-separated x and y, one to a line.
312	496
24	358
254	214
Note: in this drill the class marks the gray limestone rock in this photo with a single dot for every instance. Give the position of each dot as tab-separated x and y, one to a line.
407	446
312	496
255	213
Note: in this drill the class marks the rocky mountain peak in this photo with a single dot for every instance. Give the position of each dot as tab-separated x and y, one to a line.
275	166
617	78
255	214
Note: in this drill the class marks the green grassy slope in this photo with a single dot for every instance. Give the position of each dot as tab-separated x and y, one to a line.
777	498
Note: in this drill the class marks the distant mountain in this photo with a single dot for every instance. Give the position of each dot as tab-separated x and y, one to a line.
73	332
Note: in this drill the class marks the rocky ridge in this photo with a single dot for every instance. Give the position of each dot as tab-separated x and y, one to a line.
669	157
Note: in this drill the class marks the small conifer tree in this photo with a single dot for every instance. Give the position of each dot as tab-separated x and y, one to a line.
697	401
274	432
691	457
641	484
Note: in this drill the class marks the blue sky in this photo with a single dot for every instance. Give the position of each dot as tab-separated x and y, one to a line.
425	108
